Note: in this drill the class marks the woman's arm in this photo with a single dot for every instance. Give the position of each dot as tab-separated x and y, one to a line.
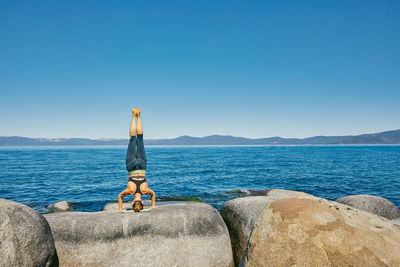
120	198
153	197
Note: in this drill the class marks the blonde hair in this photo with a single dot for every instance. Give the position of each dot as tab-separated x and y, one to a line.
137	205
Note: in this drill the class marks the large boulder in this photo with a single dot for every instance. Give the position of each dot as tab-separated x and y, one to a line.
374	204
190	234
61	206
25	237
311	231
240	215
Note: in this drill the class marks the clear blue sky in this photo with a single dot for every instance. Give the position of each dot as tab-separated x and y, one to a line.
243	68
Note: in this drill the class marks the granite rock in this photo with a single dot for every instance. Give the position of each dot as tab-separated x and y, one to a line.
311	231
374	204
61	206
189	234
240	215
25	237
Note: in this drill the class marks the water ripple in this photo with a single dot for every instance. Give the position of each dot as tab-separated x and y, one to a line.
92	176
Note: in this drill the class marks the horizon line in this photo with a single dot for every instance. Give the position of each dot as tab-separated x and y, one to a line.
225	135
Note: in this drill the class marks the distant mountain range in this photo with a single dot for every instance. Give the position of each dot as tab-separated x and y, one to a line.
388	137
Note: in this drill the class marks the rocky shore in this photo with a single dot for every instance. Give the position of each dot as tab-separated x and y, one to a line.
265	228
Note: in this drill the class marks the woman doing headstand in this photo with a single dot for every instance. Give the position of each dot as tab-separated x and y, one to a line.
136	166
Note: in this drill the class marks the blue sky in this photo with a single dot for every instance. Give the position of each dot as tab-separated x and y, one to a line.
243	68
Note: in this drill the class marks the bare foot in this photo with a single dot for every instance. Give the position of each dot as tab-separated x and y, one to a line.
134	111
138	111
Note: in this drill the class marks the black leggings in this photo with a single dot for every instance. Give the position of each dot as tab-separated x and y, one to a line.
136	156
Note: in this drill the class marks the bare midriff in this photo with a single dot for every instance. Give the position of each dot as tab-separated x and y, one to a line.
136	173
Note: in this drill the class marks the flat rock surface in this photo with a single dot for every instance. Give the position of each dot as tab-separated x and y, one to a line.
25	237
310	231
374	204
189	234
127	205
240	215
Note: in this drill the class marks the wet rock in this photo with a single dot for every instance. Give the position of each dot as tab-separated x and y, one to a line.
310	231
189	234
240	191
374	204
241	214
25	237
258	192
61	206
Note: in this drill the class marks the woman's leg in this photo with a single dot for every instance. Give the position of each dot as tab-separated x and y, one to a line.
132	131
131	153
140	144
139	129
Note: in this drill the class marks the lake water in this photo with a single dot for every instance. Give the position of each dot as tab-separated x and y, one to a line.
90	177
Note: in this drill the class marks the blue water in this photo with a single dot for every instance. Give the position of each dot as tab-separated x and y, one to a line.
90	177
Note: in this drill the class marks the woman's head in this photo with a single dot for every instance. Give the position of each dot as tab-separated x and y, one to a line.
137	205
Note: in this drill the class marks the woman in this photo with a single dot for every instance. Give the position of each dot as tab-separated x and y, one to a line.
136	166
